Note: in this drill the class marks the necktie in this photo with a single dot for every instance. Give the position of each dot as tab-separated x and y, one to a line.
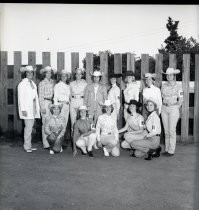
31	84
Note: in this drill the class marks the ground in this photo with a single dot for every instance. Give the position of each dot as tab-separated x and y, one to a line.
38	180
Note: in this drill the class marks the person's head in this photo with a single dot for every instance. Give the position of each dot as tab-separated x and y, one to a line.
113	78
107	107
171	74
55	109
133	106
47	72
149	79
151	105
64	75
96	76
28	71
79	73
82	112
129	76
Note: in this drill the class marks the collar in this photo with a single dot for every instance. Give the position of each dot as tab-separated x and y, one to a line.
151	86
114	85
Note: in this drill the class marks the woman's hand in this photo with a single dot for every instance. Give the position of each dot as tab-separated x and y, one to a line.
24	113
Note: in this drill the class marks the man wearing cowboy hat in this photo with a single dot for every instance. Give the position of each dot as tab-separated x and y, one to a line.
45	89
77	88
114	95
172	95
28	105
55	127
95	95
151	91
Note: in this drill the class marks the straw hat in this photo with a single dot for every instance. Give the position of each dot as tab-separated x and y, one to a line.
97	74
79	71
47	68
151	100
172	71
83	107
64	71
55	105
27	68
149	75
107	103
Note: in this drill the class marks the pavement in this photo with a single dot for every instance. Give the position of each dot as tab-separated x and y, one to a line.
40	181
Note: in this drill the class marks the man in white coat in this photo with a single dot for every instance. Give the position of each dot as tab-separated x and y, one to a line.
28	105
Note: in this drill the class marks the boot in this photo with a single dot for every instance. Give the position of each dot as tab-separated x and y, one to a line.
150	154
157	153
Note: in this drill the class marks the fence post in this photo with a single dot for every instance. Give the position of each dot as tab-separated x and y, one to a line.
130	62
17	79
89	67
196	100
172	61
185	105
32	61
60	61
158	69
3	91
104	67
144	68
74	61
45	59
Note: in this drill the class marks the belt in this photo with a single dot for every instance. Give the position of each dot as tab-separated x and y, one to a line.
77	96
49	99
166	104
64	102
157	134
106	133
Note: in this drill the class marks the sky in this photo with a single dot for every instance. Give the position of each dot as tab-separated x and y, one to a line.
90	28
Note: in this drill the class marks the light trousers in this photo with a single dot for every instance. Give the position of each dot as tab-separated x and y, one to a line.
111	144
44	136
28	133
86	142
65	112
170	116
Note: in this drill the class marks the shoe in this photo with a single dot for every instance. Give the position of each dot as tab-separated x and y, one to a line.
157	153
165	153
52	152
84	154
33	149
90	154
61	150
106	153
150	154
47	148
95	146
132	155
127	149
28	150
169	155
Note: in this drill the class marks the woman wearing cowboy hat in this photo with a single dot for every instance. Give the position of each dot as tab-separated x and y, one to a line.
148	142
45	90
172	95
134	124
77	88
114	95
84	135
28	105
131	91
151	91
107	132
95	95
55	126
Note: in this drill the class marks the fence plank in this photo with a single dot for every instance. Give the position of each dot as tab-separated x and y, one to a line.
104	66
3	91
185	105
74	61
45	59
158	69
60	61
89	66
172	61
196	100
32	61
131	62
17	79
144	68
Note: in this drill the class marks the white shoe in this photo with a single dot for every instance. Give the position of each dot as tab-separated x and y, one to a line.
33	148
106	153
28	150
96	147
61	150
52	152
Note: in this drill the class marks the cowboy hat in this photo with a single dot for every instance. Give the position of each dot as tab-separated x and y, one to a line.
149	75
83	107
27	68
97	74
151	100
113	75
129	73
107	103
172	71
47	68
79	71
55	105
138	104
64	71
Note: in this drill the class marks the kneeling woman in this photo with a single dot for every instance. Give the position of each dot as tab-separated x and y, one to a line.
134	124
107	132
55	126
84	135
150	143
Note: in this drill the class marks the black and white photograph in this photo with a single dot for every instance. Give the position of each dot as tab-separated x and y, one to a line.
99	106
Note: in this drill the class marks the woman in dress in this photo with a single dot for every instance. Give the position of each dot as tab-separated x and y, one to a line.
134	124
84	135
172	96
131	92
28	105
45	90
107	132
55	126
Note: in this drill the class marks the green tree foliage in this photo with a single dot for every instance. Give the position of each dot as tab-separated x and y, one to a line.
179	45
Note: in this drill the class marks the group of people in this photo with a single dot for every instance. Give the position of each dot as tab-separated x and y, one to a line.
94	112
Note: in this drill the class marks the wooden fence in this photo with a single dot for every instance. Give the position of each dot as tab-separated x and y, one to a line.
10	77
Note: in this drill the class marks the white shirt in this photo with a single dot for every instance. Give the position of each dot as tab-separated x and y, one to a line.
131	92
78	88
154	93
114	96
95	90
61	92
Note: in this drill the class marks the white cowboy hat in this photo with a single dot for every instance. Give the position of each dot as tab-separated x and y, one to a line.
27	68
83	107
97	73
52	106
64	71
79	71
151	100
172	71
107	103
149	75
47	68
